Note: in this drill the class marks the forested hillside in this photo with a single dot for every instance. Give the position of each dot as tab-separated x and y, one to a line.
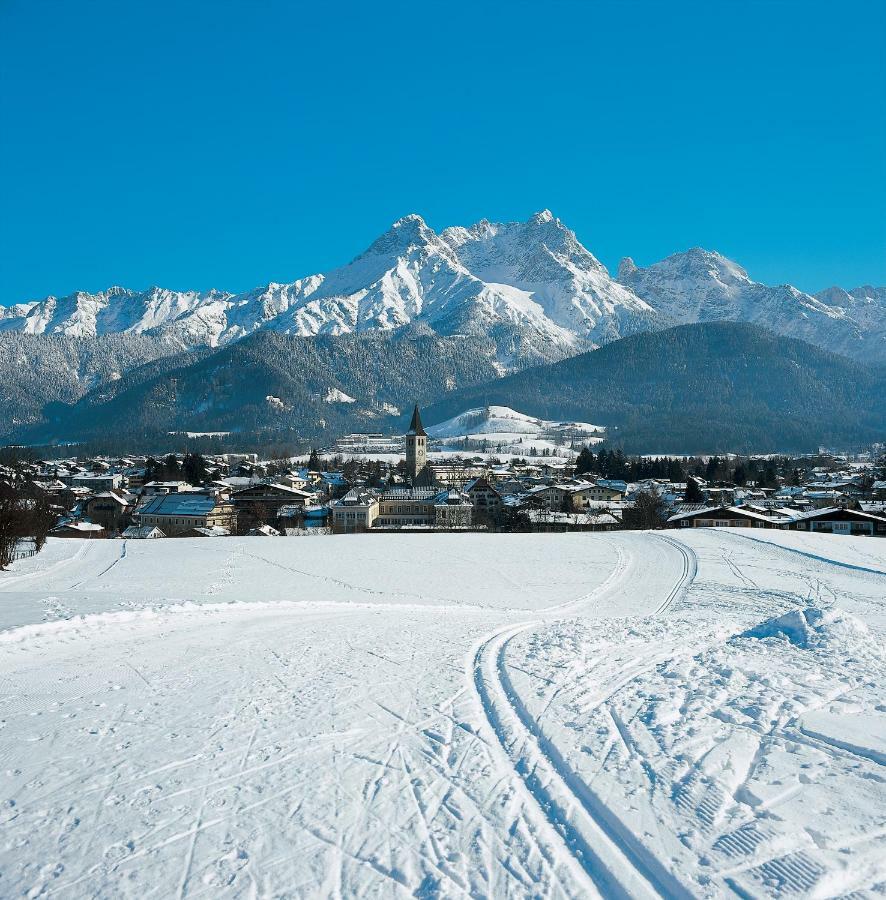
700	388
318	386
39	369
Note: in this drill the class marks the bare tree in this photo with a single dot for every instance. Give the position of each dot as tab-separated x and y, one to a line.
13	525
648	512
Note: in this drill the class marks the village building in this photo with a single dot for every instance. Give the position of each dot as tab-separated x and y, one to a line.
841	521
545	520
97	482
142	532
77	529
835	520
356	511
417	450
111	509
261	503
177	514
725	517
485	499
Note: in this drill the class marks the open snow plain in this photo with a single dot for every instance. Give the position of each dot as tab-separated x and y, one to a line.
692	714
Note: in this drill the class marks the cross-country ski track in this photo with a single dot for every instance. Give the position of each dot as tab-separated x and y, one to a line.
620	714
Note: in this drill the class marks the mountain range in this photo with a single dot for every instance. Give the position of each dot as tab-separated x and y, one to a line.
419	315
530	287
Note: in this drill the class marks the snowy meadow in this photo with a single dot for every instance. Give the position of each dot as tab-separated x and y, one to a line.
687	714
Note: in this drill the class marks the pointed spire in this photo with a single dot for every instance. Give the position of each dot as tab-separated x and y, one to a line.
415	426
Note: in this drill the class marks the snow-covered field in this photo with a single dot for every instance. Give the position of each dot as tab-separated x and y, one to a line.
445	715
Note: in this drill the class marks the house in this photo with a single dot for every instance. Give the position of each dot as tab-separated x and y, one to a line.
726	517
76	529
104	481
112	509
143	532
453	509
176	514
840	521
485	499
164	487
263	502
574	495
356	511
545	520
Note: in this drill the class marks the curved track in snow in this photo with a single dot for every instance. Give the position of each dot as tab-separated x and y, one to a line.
614	861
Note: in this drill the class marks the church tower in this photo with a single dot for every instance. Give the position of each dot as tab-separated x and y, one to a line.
416	447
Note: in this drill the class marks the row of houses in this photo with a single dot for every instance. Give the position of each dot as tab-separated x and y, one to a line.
832	520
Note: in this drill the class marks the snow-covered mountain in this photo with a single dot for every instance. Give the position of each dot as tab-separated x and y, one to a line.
530	288
701	286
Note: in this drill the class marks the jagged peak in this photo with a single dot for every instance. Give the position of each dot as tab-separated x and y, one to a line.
407	230
543	217
626	268
698	258
410	220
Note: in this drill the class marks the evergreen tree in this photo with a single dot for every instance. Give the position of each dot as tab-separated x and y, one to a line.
584	462
693	491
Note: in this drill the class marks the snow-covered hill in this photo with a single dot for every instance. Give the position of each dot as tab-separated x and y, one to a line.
701	286
504	430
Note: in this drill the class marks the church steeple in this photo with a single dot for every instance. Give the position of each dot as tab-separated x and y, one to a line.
415	426
416	446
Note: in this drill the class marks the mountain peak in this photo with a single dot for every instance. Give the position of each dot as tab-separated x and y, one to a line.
626	268
406	231
542	217
412	220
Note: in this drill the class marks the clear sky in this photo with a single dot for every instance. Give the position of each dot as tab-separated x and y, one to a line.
228	144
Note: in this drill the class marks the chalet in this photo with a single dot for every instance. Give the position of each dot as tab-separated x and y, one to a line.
725	517
76	529
176	514
840	521
143	532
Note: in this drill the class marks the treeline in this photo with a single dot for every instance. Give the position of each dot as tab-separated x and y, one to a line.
761	471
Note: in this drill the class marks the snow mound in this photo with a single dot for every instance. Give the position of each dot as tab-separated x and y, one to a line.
808	627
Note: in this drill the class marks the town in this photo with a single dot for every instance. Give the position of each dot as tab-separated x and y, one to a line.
373	489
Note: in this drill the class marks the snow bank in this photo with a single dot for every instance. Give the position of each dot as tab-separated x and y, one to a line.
809	626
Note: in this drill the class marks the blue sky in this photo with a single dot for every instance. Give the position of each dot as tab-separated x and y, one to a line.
221	144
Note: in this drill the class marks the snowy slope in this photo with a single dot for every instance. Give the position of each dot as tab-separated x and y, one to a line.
514	431
702	286
621	714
